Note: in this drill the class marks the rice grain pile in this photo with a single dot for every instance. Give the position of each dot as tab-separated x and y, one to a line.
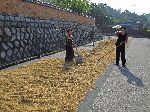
45	86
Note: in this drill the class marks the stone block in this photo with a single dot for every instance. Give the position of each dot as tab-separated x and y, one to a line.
30	42
28	30
31	36
7	32
21	49
12	18
46	25
22	44
38	31
27	35
48	40
8	18
16	43
26	42
41	30
16	51
7	24
1	17
22	36
9	52
1	32
23	30
28	24
3	54
17	18
5	47
32	24
13	30
1	23
27	20
14	23
22	19
8	59
36	25
19	56
10	45
18	35
25	55
13	38
41	45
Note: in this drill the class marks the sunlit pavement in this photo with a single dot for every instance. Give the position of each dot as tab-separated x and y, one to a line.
123	89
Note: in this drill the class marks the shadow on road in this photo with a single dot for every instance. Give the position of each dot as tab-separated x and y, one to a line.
132	79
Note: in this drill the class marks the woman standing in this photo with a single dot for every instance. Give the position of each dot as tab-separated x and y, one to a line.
120	45
69	46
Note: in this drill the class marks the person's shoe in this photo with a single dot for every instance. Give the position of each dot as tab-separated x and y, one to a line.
123	65
117	64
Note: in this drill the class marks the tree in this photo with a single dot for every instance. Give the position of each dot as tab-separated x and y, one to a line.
78	6
102	17
103	14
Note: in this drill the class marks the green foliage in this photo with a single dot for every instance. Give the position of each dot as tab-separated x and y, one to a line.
117	16
79	6
103	18
104	15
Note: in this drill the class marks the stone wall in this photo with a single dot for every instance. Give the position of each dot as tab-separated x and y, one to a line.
22	38
36	10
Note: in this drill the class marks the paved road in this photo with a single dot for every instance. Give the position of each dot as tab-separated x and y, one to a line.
123	89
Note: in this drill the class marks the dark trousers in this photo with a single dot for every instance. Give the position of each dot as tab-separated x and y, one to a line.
120	50
69	53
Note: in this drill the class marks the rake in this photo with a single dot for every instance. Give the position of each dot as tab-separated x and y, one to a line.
78	57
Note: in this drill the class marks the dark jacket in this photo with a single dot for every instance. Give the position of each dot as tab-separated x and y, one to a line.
121	38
